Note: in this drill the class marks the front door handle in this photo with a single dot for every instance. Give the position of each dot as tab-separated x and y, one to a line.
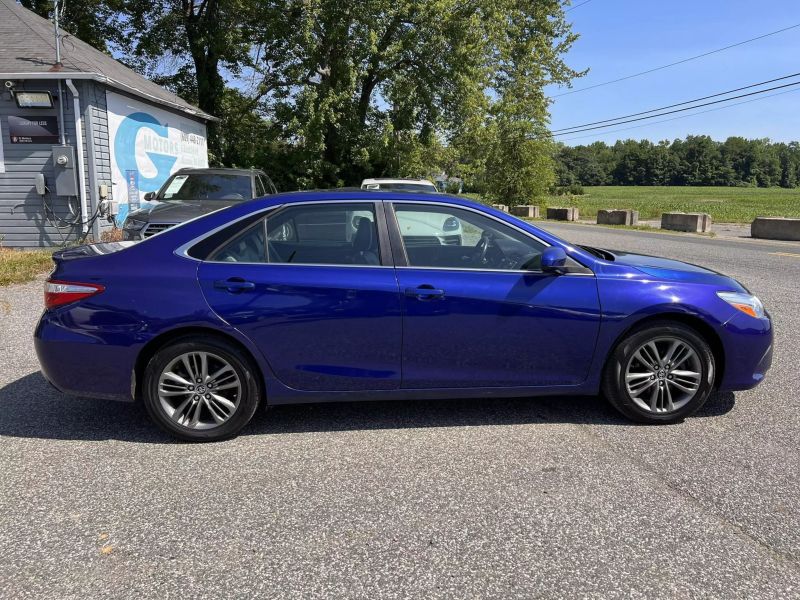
235	285
425	292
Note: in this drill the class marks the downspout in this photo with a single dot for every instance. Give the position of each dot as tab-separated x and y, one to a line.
61	137
76	104
94	190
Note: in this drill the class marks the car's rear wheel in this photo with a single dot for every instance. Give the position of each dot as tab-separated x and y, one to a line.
660	373
200	389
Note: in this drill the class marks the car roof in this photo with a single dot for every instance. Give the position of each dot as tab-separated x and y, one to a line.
341	194
382	180
216	171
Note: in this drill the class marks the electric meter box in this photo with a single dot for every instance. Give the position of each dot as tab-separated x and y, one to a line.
65	170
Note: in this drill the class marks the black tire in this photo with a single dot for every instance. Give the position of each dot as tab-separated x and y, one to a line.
614	386
249	396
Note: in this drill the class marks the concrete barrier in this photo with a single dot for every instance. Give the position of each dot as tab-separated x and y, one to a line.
562	214
502	207
612	216
694	222
776	228
525	211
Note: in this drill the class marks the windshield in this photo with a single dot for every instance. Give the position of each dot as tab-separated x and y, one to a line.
401	187
207	186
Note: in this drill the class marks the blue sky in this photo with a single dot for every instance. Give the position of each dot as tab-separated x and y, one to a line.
621	37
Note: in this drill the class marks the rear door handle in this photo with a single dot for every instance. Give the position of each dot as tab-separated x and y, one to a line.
235	285
425	292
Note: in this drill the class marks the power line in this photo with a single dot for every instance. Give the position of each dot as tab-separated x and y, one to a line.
679	62
576	6
677	110
739	89
702	112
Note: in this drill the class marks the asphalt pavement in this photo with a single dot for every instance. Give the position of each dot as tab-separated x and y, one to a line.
537	498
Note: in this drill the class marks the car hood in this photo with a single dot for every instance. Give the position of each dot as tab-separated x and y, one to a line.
179	210
675	270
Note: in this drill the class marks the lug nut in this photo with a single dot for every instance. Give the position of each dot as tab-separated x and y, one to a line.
196	398
190	388
199	380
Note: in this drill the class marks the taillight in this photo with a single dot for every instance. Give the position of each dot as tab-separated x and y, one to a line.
58	293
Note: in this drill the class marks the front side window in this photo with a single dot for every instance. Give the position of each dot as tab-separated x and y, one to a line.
328	234
447	237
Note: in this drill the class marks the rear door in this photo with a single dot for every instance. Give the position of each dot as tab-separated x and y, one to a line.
313	286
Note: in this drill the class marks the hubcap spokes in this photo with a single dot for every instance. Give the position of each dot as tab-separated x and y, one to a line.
199	390
663	375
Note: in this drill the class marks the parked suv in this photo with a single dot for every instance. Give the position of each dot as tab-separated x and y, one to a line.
189	193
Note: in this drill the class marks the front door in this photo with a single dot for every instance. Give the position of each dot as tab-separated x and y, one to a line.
308	285
479	313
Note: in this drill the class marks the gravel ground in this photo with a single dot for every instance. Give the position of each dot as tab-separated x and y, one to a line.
538	498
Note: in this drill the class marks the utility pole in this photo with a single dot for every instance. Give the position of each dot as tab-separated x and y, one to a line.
55	32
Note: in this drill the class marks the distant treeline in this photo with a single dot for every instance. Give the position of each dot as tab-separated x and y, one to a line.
697	160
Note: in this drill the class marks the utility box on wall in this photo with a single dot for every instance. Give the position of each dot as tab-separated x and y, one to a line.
65	170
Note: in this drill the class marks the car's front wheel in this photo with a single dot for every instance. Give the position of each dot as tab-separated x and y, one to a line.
660	373
200	389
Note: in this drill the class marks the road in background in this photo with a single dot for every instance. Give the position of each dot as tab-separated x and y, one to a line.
555	497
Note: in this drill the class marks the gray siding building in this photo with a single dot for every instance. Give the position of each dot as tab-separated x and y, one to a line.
100	134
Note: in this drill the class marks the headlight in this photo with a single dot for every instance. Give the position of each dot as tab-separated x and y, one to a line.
133	225
748	304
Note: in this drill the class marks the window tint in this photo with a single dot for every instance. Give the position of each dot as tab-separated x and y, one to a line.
248	246
207	186
339	234
332	234
446	237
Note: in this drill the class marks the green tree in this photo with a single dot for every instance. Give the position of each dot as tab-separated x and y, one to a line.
375	81
92	21
187	45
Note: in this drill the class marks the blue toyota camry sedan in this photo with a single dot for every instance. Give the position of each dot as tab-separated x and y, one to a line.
326	296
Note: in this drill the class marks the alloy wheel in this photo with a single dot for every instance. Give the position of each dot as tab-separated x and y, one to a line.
199	390
663	375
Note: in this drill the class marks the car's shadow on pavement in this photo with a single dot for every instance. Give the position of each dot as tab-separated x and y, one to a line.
30	408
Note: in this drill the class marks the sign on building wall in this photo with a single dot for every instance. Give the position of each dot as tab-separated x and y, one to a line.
33	130
148	144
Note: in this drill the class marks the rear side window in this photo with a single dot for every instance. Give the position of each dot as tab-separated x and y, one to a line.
204	248
327	234
248	247
260	191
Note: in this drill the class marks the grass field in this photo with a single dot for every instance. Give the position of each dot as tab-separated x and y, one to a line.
19	266
724	204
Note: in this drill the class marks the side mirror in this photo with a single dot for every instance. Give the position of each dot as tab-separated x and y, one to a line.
149	196
554	260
